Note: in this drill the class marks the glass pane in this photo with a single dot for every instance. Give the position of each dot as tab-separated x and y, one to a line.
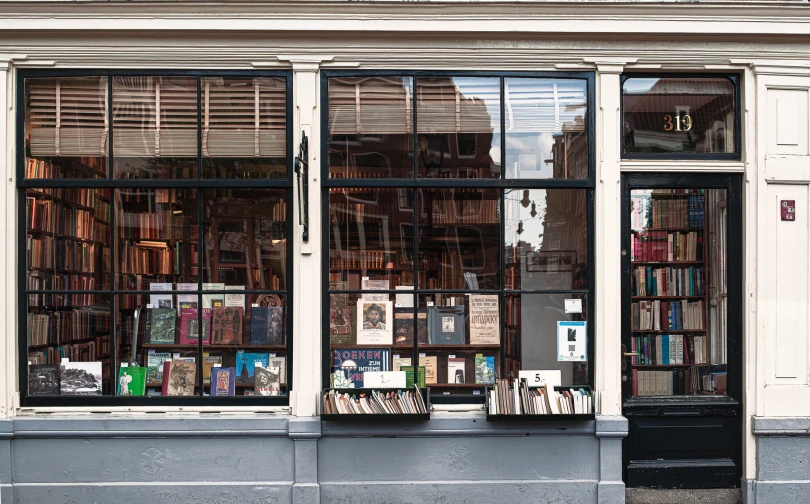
370	235
546	233
244	127
461	345
244	344
370	127
156	237
245	238
362	336
66	127
674	114
155	127
546	128
679	288
542	334
68	239
459	232
75	327
459	123
156	339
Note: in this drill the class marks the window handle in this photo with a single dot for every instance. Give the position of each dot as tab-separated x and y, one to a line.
302	173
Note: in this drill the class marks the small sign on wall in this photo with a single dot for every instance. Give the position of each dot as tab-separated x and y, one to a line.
788	210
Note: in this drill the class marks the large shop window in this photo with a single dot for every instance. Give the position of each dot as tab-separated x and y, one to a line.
155	223
458	216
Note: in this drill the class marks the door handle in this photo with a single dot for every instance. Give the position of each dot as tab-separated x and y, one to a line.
630	354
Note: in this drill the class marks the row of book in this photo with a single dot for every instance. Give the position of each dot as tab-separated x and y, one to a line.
369	259
681	381
665	349
246	365
667	316
101	209
516	397
681	212
372	213
136	259
76	196
79	283
221	325
97	349
153	195
466	211
374	402
101	232
512	310
90	168
669	281
150	225
64	326
667	246
54	217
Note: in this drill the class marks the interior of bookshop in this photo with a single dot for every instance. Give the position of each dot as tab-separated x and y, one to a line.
443	267
149	291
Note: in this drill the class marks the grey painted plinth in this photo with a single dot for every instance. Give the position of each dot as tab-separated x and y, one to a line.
265	458
783	461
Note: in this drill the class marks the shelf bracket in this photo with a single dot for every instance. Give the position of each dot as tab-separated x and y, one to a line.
302	174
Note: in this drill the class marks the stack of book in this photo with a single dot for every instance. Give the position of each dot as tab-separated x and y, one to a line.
374	402
517	398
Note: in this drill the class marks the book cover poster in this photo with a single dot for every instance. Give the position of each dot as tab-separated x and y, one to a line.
154	367
446	325
348	365
132	381
161	326
227	325
267	382
43	380
484	369
179	378
223	381
246	362
485	320
341	325
431	365
374	323
80	378
572	341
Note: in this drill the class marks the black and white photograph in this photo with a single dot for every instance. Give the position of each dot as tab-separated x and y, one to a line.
81	378
43	380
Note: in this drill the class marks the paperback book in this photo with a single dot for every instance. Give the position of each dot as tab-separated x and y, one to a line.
80	378
132	381
267	381
223	381
348	365
179	378
246	363
267	325
227	325
161	322
341	325
43	380
484	369
154	366
189	326
446	324
160	300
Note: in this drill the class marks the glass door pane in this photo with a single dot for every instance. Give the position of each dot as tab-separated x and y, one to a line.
678	282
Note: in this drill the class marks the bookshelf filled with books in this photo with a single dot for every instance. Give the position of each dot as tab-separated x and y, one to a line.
383	404
675	349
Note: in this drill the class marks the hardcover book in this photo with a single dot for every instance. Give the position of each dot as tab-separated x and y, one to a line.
348	365
446	325
223	381
341	325
246	362
485	320
404	327
154	366
281	364
374	325
420	370
43	380
161	326
227	325
484	369
132	381
267	382
80	378
189	326
431	365
179	378
456	369
267	325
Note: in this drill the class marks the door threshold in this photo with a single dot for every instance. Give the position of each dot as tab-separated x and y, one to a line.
683	496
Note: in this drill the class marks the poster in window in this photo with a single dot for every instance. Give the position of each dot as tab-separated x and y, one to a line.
485	320
572	341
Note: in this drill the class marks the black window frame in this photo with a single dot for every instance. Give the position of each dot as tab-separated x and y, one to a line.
199	183
735	80
502	184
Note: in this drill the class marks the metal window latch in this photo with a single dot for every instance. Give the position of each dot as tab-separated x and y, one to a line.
302	174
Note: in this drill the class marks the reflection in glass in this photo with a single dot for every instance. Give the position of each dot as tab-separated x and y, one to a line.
156	235
459	231
674	114
244	127
370	235
155	127
546	131
546	233
679	306
459	122
370	127
245	238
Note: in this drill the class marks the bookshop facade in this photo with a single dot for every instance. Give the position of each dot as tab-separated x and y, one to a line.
477	259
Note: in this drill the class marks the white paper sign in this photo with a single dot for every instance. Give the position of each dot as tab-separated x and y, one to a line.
384	379
572	341
539	378
573	306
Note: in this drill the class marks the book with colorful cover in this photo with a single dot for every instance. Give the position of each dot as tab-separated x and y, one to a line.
154	366
342	330
131	381
189	326
227	325
267	381
246	362
161	322
420	370
179	378
223	381
267	325
208	363
348	365
187	300
484	369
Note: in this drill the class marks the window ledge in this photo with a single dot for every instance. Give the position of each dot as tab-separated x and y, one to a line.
147	410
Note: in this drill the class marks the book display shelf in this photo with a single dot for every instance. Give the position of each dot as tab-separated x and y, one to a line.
519	402
362	405
675	349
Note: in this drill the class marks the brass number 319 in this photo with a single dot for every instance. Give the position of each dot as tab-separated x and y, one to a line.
682	123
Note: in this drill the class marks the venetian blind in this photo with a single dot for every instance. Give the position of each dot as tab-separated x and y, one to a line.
67	117
544	105
370	105
244	117
458	105
154	116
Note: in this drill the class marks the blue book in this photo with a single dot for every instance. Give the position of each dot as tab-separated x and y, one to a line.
348	365
267	325
665	349
246	363
223	381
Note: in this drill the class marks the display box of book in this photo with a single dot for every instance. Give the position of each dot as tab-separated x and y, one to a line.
515	400
376	404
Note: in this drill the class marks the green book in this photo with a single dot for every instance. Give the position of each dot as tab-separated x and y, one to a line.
154	366
131	381
409	376
161	325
